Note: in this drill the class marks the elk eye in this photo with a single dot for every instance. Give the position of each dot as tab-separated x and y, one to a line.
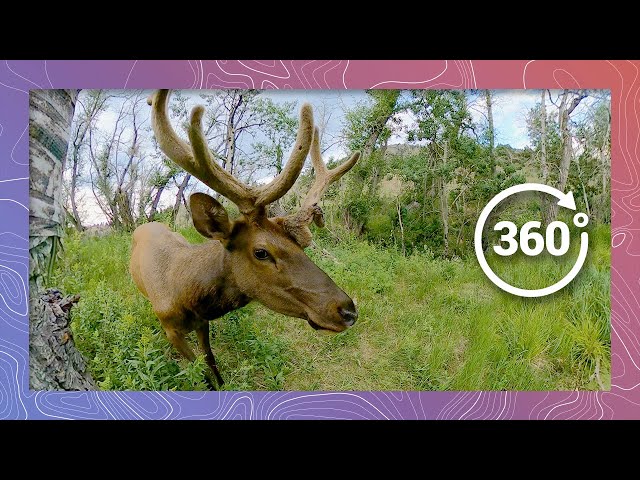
261	254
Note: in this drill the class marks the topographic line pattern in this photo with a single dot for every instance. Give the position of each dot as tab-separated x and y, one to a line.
18	402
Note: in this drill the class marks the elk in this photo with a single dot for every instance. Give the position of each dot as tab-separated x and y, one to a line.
252	258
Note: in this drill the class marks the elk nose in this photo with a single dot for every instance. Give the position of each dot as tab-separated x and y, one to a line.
349	316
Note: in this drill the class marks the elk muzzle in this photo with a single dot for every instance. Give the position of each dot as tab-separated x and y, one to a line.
336	316
349	316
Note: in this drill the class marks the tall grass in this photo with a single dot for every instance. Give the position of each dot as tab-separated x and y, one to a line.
425	324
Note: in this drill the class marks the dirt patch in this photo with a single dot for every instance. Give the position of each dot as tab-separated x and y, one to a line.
540	363
475	291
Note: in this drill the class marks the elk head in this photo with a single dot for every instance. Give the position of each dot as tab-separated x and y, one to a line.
264	256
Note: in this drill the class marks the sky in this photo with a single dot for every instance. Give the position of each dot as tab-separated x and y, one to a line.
509	110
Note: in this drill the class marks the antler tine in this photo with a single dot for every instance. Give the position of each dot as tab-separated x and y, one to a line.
323	176
298	224
214	175
172	145
196	159
285	180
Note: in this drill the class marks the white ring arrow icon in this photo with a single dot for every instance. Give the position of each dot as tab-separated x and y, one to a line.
567	201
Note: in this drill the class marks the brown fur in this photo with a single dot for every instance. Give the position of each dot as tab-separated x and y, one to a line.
189	285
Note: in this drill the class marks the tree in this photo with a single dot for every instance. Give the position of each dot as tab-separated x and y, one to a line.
117	163
54	362
490	131
368	129
278	127
50	116
95	102
246	133
159	182
553	139
543	138
442	119
593	158
569	100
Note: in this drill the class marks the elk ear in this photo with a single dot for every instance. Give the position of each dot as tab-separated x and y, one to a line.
209	216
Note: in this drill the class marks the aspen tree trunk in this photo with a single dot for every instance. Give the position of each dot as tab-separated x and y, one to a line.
543	157
54	361
444	203
492	160
180	194
564	113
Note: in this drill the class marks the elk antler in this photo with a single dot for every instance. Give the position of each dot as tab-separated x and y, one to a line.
198	160
298	224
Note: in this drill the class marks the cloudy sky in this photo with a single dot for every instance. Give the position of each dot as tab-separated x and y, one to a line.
509	109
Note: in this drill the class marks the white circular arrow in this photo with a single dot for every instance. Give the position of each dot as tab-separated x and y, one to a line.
567	201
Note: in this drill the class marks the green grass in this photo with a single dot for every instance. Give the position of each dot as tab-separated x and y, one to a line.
425	324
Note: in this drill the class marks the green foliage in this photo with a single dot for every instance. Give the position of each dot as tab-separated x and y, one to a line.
441	115
534	129
429	318
114	326
426	323
278	126
448	172
367	119
443	151
43	255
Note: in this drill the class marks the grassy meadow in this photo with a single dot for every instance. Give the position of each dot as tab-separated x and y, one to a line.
425	324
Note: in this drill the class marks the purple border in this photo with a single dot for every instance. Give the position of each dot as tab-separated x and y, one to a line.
18	402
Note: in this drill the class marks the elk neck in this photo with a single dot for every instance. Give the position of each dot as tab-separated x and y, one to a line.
215	290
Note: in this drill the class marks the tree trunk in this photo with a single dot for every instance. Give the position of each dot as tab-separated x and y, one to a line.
179	195
444	204
586	200
155	202
279	158
605	169
546	211
492	161
376	128
115	214
72	194
567	149
75	144
375	176
492	156
54	361
50	117
229	161
584	189
404	251
543	138
123	200
605	166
